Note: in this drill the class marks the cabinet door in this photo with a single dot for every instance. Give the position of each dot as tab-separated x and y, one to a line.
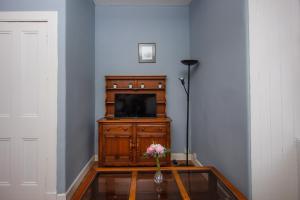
147	135
117	145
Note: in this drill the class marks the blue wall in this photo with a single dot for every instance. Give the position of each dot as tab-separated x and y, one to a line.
80	82
119	29
60	6
220	87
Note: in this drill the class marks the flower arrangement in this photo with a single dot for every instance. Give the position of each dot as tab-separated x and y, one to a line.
156	151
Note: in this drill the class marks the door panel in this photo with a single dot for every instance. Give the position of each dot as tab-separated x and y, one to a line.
5	152
29	74
144	141
30	161
118	148
24	107
147	135
6	40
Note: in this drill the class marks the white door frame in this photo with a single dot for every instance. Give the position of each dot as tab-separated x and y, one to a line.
51	18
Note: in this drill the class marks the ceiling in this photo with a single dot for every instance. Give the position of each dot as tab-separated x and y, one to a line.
143	2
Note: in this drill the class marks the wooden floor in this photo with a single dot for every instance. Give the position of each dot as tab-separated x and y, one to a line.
132	177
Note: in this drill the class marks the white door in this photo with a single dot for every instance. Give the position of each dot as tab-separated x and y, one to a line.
24	108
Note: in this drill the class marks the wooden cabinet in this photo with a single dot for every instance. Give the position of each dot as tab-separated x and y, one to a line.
124	142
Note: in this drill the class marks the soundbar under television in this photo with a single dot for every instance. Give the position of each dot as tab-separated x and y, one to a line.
135	105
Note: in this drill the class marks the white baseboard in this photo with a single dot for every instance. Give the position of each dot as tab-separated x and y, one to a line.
196	161
77	181
180	156
51	196
61	196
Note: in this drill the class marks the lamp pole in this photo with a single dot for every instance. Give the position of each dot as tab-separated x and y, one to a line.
189	63
188	117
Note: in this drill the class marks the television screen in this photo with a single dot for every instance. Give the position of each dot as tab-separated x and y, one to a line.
135	105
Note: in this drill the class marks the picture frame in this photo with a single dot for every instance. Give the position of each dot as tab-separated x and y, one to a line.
147	52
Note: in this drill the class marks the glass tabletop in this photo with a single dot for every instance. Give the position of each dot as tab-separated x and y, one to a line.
108	185
204	186
177	184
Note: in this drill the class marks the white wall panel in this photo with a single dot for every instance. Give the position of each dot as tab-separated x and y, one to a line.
274	81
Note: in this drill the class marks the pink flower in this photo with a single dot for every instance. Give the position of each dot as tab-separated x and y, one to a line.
156	151
159	149
150	150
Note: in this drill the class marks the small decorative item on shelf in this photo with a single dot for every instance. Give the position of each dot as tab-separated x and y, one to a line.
130	86
159	85
115	86
142	85
157	151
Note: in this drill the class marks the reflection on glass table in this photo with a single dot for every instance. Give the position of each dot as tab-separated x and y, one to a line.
148	190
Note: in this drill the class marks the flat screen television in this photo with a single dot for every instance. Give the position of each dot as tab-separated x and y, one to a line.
135	105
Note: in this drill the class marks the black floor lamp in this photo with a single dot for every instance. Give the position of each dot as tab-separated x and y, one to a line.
188	63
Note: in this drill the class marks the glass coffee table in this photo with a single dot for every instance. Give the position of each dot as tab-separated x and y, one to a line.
203	183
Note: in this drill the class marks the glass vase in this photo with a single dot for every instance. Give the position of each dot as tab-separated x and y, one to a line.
158	177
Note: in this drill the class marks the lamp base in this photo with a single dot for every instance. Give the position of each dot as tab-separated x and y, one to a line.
182	163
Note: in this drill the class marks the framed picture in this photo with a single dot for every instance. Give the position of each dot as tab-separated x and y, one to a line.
147	53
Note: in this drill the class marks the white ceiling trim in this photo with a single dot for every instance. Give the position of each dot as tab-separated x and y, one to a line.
143	2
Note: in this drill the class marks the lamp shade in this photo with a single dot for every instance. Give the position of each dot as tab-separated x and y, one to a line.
189	62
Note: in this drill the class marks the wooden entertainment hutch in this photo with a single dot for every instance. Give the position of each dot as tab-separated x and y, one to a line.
123	141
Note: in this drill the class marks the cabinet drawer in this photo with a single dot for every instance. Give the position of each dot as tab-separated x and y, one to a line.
117	129
155	128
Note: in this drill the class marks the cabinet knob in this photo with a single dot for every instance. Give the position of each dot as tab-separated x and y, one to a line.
130	145
108	129
143	129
